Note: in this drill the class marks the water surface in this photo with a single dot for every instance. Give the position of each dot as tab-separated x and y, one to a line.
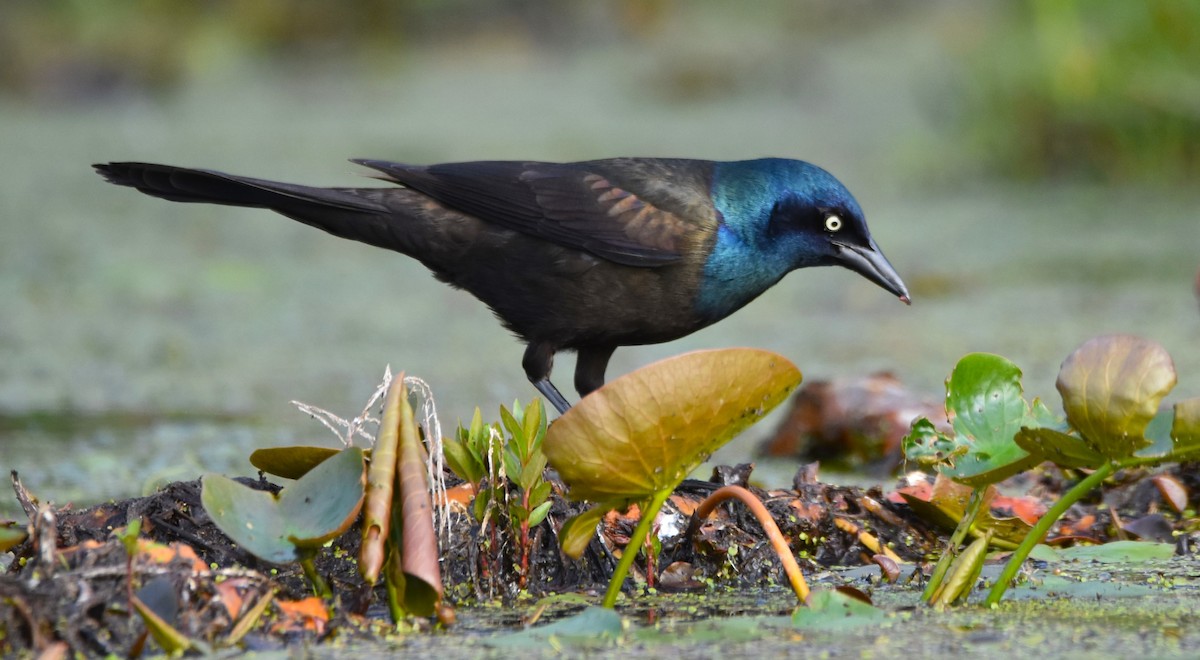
142	340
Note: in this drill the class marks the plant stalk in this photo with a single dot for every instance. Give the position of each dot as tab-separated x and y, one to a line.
633	548
523	573
974	504
795	576
1042	527
319	585
394	583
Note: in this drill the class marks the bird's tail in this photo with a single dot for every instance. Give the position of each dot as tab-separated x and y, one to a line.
353	213
181	184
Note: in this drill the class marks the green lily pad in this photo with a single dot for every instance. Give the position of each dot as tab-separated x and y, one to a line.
986	401
292	462
834	610
315	509
1111	388
646	431
1119	552
1185	430
594	626
1174	434
712	630
1158	432
1043	552
1053	587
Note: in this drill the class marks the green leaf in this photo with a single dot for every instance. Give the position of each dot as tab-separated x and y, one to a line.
476	423
539	514
514	428
482	500
985	399
512	465
1063	450
930	447
646	431
531	473
577	532
1111	388
315	509
531	423
480	445
461	461
128	536
539	493
517	512
477	440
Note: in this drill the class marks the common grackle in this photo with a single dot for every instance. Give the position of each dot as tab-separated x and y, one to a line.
583	256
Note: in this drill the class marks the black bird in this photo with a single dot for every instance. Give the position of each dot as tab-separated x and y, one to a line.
584	256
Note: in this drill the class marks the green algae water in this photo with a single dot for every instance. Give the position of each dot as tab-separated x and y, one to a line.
143	341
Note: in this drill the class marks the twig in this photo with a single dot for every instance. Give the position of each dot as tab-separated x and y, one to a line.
28	502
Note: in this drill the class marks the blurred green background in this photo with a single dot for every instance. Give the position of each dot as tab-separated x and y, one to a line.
1029	167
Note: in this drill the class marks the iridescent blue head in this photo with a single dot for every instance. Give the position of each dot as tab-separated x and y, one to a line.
778	215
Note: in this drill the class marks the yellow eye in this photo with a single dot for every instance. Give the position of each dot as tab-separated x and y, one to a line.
833	223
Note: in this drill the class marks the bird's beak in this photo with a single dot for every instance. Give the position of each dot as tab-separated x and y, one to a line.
870	263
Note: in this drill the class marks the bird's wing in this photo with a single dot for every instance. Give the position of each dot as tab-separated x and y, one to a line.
586	206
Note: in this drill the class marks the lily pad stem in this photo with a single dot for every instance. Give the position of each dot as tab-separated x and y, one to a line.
636	540
320	586
1043	525
956	539
780	545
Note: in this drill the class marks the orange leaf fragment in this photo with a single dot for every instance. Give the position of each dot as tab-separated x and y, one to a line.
158	553
230	594
308	614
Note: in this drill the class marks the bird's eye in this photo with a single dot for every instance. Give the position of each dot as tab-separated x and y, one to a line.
833	223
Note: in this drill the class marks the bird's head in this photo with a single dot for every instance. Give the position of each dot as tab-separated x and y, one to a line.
791	214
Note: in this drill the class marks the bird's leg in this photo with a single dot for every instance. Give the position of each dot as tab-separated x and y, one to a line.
552	395
538	361
590	367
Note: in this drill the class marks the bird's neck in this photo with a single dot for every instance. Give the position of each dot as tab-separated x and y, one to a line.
745	260
735	273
